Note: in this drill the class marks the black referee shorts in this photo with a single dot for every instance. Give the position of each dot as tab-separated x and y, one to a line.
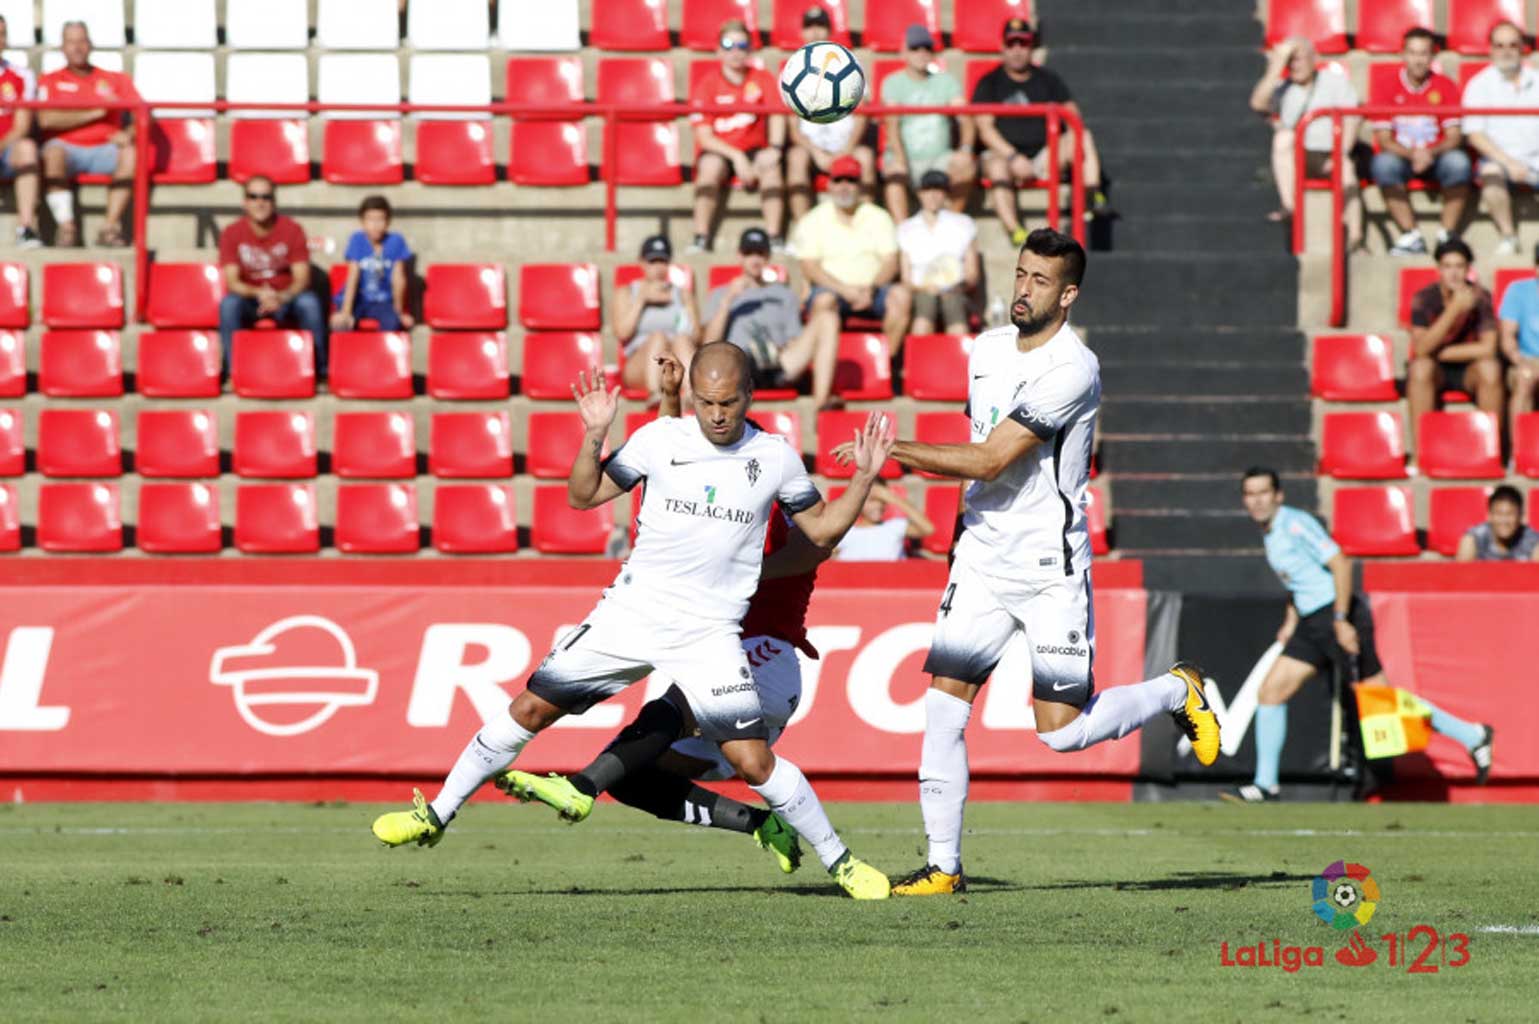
1314	641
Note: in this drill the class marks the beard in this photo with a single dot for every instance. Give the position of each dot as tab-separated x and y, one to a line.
1032	323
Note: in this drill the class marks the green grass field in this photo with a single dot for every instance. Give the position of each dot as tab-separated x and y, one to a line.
1104	912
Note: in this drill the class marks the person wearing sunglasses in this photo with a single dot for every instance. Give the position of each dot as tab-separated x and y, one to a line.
265	259
1508	147
918	144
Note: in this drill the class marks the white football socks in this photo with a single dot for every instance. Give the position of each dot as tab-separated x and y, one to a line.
489	751
1116	712
789	795
943	777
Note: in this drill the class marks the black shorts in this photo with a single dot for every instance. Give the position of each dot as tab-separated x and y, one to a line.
1314	641
1455	378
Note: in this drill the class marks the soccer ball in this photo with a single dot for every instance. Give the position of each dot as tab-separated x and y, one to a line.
822	82
1345	896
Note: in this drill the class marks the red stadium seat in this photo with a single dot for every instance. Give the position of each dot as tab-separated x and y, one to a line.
377	519
941	428
179	364
468	365
374	444
726	273
973	70
700	28
15	296
78	442
1469	69
1525	444
362	153
184	294
1095	521
547	152
1470	22
466	297
177	442
554	438
78	518
1460	446
629	25
1351	368
836	427
13	364
1412	280
941	502
177	519
1382	23
558	296
785	422
980	24
276	519
1506	277
273	364
83	295
886	22
183	151
1374	521
1324	22
474	519
1453	510
634	421
1362	446
786	32
863	371
277	149
13	447
680	276
277	444
370	364
553	359
559	529
10	519
455	153
935	367
80	364
471	444
646	150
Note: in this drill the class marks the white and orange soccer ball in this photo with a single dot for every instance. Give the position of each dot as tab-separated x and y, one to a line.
822	82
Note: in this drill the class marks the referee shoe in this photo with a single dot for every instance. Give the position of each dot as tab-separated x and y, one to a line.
1196	717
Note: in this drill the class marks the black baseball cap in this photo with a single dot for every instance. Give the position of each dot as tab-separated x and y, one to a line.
934	179
917	36
815	15
754	240
1019	28
656	247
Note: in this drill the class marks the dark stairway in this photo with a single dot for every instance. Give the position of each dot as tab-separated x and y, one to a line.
1192	309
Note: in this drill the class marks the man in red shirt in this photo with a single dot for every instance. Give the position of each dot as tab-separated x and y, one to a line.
746	145
95	140
1428	146
266	264
18	153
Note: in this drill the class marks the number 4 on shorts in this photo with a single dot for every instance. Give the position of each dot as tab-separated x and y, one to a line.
945	605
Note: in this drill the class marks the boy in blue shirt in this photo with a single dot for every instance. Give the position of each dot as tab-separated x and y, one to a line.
375	288
1519	318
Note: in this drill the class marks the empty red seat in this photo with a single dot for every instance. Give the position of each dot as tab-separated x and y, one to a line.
554	438
546	151
466	296
1382	23
275	519
79	517
1323	22
863	371
1451	512
1095	521
981	23
13	447
935	367
888	20
83	295
179	364
836	427
1362	446
629	25
471	444
273	364
474	519
275	443
15	297
10	519
700	27
1353	368
646	150
182	149
1412	280
785	422
1470	22
377	519
559	529
78	442
178	519
942	428
941	502
184	294
277	149
455	153
1374	521
468	365
1460	446
176	442
1525	444
374	444
553	359
370	364
362	153
80	364
558	296
13	364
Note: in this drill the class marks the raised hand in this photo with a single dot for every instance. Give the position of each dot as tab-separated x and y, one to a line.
596	403
672	378
873	443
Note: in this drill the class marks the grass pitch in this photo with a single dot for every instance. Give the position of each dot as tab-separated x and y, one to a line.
1106	912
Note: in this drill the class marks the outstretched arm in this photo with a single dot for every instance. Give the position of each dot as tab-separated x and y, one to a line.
586	485
982	461
826	523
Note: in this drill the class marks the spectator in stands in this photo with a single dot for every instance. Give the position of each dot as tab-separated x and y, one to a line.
377	261
759	314
18	153
652	316
1015	148
266	262
938	254
1453	337
920	143
874	537
814	147
848	249
1502	537
90	141
1428	146
1508	146
746	145
1306	89
1519	318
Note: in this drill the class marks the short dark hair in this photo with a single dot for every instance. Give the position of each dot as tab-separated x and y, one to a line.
1417	32
1506	492
375	203
1266	471
1451	246
1057	245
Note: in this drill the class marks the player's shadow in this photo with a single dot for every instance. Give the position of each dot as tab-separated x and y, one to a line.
1183	880
974	884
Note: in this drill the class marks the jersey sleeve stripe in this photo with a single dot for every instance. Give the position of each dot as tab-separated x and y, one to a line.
625	476
1034	421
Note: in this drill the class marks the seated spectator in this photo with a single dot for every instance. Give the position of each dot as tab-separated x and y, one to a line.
1307	89
1453	338
760	315
1519	318
874	537
91	141
1502	537
1429	147
746	145
920	143
266	262
377	260
1015	148
1508	147
18	153
848	249
652	316
938	252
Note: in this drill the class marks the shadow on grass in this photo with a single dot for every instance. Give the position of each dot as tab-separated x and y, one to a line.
1183	880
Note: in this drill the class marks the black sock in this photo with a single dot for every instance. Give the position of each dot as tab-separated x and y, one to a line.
675	798
653	731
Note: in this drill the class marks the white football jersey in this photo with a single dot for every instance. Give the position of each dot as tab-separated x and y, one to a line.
700	533
1030	522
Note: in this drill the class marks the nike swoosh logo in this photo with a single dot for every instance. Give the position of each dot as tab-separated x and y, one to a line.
1060	689
744	725
690	462
980	376
1200	696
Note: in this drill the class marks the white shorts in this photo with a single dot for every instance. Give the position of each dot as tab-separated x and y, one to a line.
979	614
777	672
616	645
